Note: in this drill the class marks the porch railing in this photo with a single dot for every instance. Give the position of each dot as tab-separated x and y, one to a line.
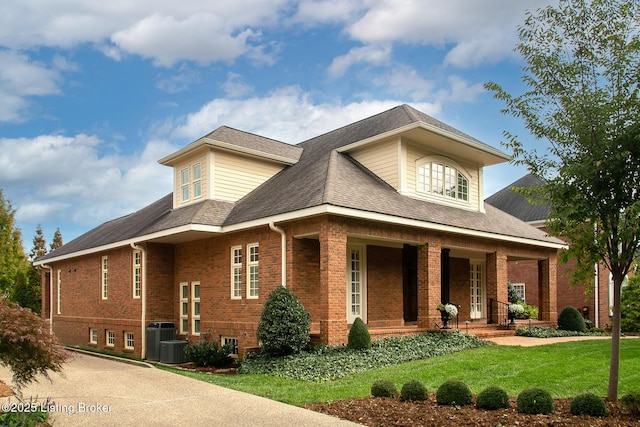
498	312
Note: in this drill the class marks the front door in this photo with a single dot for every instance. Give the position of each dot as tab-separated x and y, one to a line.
476	289
356	283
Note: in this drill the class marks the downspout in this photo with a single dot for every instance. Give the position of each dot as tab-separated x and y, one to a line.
50	297
143	296
284	251
596	316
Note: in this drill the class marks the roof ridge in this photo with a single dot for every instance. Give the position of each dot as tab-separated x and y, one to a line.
330	181
250	133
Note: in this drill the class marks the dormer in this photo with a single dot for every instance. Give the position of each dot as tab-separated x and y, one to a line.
429	162
226	165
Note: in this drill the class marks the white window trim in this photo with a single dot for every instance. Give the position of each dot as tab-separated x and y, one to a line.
523	294
236	267
185	185
137	273
195	300
225	340
58	287
93	336
446	162
183	300
250	265
128	346
110	336
104	277
363	283
195	180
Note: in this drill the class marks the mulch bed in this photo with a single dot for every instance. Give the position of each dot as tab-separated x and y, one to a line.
378	412
5	390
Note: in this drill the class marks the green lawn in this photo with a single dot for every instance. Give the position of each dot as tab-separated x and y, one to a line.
565	370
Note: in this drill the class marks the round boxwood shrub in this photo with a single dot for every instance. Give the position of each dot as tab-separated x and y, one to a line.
631	403
570	319
359	337
384	388
492	398
535	401
284	324
453	392
588	404
413	390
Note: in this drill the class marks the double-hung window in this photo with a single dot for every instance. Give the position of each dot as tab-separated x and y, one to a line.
129	341
137	273
252	271
93	336
236	272
195	311
111	338
184	184
184	308
197	180
105	277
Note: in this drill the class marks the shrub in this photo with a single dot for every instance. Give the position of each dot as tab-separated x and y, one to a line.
359	337
205	353
284	324
631	403
630	305
588	404
512	295
453	392
384	388
492	398
570	319
413	390
26	346
535	401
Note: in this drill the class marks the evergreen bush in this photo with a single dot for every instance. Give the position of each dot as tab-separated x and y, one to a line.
492	398
588	404
631	403
630	305
284	324
359	337
205	353
413	390
512	294
570	319
453	392
535	401
384	388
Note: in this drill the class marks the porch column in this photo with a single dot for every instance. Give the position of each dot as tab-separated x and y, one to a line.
333	283
429	284
497	276
547	289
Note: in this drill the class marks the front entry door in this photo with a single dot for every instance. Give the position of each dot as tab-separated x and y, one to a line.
476	289
356	283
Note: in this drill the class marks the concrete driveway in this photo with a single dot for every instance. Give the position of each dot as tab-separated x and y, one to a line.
100	392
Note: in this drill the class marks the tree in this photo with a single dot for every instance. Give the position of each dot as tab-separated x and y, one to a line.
26	346
57	240
582	75
13	261
27	291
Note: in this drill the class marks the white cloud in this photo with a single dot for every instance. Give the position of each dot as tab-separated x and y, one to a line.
370	54
235	87
312	12
179	82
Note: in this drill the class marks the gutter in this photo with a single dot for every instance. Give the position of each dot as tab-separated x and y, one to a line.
596	318
273	227
143	296
50	297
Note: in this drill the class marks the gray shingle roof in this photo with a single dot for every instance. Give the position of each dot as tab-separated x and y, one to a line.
517	204
255	142
322	176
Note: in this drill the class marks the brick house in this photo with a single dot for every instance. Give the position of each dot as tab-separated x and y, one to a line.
382	219
592	299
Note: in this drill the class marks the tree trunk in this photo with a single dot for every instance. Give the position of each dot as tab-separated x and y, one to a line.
614	366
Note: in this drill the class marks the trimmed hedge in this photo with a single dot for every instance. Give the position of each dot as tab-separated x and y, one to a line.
359	337
492	398
384	388
453	392
535	401
588	404
413	390
570	319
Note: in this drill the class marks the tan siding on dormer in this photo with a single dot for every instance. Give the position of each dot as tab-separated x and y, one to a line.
235	176
415	152
382	159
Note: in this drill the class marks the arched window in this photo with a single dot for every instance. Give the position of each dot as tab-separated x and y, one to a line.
441	178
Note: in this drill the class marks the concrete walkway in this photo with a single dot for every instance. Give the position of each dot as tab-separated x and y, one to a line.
530	341
99	392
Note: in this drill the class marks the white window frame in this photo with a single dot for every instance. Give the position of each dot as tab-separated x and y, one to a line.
356	280
93	336
197	180
195	308
236	272
58	287
137	273
104	278
129	341
110	338
253	271
225	340
447	177
520	289
185	192
184	307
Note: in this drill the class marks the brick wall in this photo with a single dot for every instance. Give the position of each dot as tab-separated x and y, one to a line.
459	286
384	280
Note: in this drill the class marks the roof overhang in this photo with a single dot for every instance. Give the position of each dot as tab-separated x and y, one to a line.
441	141
193	232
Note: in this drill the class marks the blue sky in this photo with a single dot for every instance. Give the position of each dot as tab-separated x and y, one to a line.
93	93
